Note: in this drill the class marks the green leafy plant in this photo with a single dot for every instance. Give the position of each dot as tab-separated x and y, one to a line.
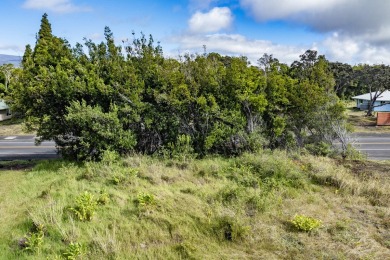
33	241
103	198
320	148
85	206
145	199
304	223
74	251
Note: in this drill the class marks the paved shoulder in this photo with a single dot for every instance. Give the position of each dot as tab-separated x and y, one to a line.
375	145
24	148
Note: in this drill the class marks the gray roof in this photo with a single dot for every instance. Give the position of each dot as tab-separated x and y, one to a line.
385	96
3	105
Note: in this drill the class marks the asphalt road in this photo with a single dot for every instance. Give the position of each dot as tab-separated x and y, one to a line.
24	148
376	146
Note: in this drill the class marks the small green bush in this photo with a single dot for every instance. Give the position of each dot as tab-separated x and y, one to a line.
85	206
320	149
145	199
74	251
304	223
33	242
103	198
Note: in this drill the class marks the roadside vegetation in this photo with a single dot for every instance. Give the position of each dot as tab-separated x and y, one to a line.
268	205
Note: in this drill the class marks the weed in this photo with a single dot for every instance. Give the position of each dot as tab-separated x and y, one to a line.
304	223
74	251
85	206
145	200
109	157
32	242
103	198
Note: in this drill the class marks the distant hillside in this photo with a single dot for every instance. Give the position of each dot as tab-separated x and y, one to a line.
15	60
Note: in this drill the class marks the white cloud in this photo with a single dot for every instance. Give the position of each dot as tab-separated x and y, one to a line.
238	45
58	6
11	49
216	19
349	50
348	17
359	29
271	9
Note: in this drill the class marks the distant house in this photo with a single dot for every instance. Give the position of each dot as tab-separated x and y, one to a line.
382	103
4	111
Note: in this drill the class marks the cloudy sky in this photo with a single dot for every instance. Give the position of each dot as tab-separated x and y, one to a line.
350	31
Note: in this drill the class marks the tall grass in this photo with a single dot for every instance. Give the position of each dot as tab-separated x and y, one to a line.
215	208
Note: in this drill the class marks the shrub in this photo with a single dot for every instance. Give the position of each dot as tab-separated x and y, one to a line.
145	202
352	153
182	150
103	198
321	148
145	199
74	251
33	242
85	206
92	134
304	223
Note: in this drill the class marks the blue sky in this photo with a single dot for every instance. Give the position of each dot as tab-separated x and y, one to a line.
351	31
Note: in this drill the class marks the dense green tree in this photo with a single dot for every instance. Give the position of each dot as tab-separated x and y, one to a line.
313	105
131	98
344	77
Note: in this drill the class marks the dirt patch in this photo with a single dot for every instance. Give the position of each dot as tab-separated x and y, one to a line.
369	169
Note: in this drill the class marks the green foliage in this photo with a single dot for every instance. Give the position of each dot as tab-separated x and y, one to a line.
304	223
145	200
140	101
182	150
74	251
34	241
229	228
352	153
103	198
321	148
123	176
91	133
85	206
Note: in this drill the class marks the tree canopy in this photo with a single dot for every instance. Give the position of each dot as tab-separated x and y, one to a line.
130	98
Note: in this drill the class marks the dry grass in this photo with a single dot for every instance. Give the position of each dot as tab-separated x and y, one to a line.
13	126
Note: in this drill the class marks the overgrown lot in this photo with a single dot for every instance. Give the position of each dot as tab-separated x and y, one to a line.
268	205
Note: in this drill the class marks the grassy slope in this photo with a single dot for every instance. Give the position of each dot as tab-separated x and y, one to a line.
204	209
